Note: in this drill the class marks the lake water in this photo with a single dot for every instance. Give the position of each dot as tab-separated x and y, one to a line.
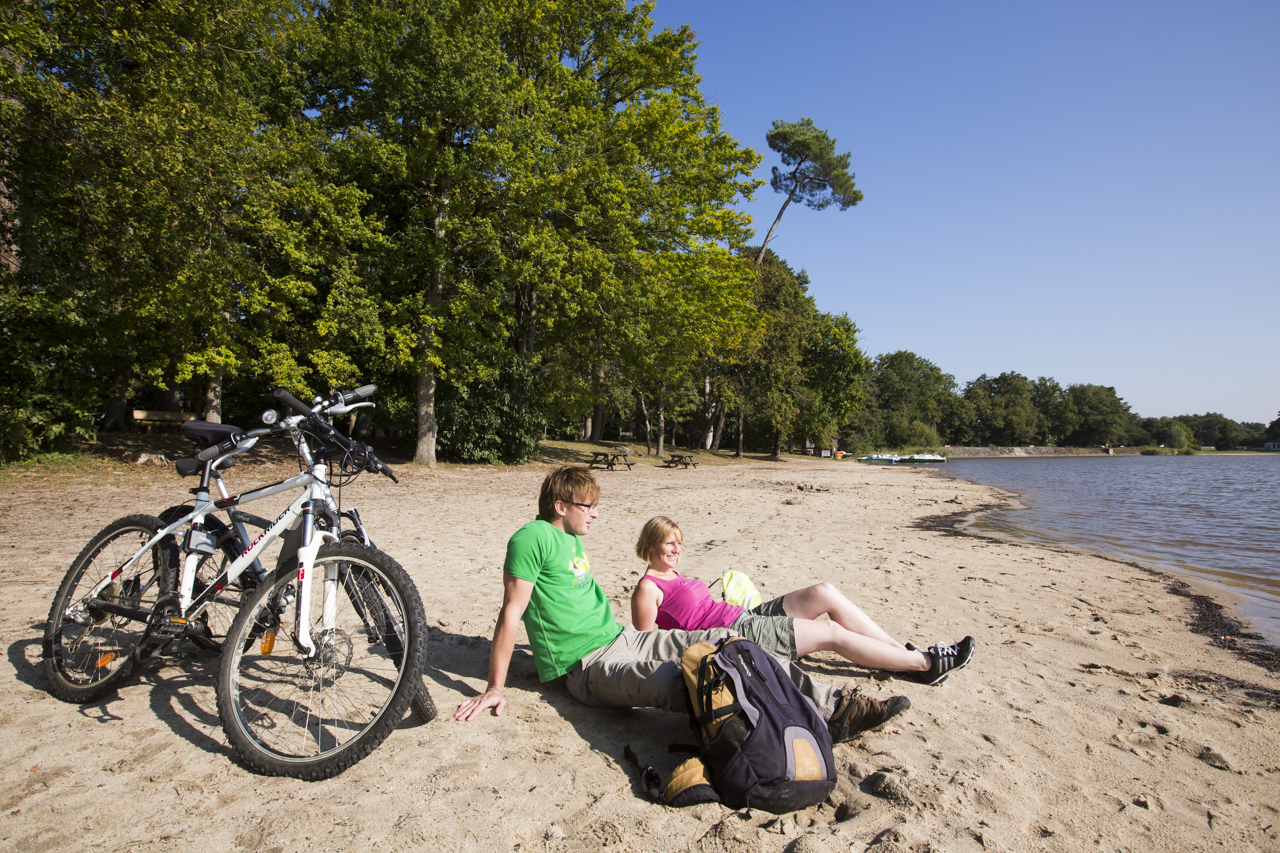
1213	518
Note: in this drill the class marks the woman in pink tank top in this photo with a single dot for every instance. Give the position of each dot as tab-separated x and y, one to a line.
786	626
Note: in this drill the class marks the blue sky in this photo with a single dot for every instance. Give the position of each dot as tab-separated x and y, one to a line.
1085	190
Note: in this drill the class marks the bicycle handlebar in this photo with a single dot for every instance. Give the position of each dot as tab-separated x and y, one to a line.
362	393
292	402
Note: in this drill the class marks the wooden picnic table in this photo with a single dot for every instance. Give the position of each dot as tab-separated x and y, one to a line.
608	459
147	418
677	459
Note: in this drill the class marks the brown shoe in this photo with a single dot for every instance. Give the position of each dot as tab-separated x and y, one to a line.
856	714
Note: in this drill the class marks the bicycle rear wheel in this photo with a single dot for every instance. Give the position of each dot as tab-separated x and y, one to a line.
311	718
90	641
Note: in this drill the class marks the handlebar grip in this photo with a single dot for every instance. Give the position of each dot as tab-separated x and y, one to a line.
292	402
362	393
213	451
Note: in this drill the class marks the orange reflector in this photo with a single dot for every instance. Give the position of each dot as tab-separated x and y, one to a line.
105	659
268	642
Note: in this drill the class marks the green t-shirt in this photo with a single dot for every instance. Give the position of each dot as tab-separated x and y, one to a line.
568	615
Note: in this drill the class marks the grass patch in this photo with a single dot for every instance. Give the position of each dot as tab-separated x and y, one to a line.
60	464
1167	451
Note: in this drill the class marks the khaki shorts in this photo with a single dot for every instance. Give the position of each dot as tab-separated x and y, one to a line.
768	626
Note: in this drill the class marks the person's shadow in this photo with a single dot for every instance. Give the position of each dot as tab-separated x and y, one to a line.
648	731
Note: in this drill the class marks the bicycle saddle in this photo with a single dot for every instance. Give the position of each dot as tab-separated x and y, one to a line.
206	434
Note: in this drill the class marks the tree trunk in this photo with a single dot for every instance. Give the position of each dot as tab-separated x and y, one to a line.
597	422
719	431
118	403
662	417
709	408
425	454
741	419
527	305
648	431
777	444
213	398
795	185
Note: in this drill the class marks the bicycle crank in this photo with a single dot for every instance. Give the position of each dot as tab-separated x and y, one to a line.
165	625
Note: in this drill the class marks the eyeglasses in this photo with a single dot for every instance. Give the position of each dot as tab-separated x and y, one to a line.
587	507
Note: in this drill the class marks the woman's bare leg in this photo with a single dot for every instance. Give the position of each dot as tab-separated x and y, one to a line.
812	601
866	651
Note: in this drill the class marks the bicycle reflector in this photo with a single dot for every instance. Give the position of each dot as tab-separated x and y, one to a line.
267	643
105	659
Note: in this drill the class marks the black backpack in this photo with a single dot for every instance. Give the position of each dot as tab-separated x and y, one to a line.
762	743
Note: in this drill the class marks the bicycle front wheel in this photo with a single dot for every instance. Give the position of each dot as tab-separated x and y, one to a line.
91	638
311	717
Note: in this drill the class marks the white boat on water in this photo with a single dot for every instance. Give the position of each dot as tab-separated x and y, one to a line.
879	459
891	459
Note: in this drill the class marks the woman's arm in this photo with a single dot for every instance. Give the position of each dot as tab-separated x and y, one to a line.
645	601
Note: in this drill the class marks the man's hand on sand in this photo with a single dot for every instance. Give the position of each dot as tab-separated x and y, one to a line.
470	709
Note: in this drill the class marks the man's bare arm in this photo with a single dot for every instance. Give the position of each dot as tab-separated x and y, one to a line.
515	598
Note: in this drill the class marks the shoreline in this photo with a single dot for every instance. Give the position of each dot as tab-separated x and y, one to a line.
1215	612
956	452
1091	717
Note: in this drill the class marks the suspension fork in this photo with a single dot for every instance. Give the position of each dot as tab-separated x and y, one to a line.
312	539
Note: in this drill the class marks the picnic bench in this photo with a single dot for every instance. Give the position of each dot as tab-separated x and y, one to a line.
676	459
608	459
147	418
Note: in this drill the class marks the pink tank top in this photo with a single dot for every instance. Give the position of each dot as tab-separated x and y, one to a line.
687	605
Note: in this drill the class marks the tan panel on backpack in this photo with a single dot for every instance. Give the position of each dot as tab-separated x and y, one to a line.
808	765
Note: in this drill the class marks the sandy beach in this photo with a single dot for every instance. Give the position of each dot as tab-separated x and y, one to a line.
1091	718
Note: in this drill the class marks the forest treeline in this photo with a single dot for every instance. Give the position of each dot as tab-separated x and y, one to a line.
517	219
912	403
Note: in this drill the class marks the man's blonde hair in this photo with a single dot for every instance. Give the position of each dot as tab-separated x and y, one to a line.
567	484
654	533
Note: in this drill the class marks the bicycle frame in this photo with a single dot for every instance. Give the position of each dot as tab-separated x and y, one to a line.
315	490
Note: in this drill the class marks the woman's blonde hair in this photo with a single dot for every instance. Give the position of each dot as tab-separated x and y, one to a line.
654	533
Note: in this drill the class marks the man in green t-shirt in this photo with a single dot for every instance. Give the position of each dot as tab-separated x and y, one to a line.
547	582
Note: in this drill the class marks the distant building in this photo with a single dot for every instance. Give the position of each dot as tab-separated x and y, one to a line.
1273	446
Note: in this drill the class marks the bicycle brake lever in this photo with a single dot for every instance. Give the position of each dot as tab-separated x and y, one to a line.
343	408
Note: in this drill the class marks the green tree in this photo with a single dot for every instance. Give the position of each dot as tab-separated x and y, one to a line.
1104	417
776	374
1004	412
166	208
815	175
1058	415
1214	430
521	159
835	376
1167	432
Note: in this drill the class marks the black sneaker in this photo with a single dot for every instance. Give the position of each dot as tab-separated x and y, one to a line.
856	714
945	659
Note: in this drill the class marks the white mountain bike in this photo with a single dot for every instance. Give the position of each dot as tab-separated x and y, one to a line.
324	654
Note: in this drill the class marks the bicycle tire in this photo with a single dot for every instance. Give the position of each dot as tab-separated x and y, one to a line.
423	706
285	715
88	652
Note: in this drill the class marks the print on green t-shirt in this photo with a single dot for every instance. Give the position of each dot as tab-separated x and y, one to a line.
568	614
